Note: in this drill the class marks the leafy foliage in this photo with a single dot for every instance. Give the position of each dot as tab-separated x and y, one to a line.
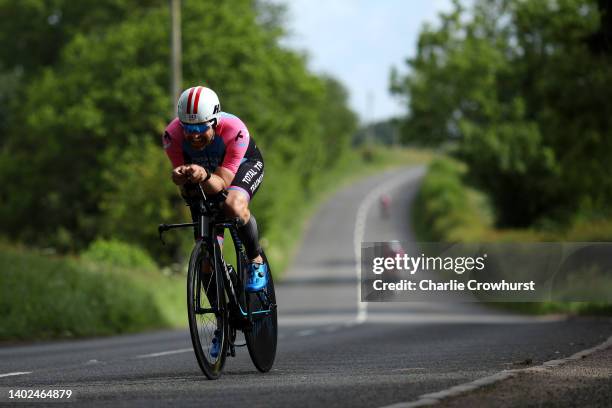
34	32
520	88
44	297
119	254
447	210
81	157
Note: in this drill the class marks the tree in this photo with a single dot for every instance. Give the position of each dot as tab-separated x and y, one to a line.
99	109
34	32
517	87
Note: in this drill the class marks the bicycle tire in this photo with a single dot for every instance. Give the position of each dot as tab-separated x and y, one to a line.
262	337
203	325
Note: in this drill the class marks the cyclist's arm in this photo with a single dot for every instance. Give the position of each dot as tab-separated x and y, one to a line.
221	179
193	173
224	175
236	137
172	140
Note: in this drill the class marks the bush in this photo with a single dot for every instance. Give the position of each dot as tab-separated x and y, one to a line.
44	297
447	210
117	253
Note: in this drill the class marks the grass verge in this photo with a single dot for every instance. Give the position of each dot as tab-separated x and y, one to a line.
45	297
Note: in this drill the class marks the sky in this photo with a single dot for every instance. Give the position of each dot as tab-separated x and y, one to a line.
358	41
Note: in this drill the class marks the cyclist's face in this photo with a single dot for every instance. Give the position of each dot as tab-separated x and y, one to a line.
199	140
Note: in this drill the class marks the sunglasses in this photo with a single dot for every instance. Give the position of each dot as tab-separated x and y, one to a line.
196	128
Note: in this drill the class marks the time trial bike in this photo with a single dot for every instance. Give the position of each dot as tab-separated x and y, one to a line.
218	305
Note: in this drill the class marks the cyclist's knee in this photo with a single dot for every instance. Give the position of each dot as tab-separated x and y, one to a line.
236	205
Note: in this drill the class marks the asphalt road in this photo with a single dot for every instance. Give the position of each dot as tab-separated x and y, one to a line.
333	350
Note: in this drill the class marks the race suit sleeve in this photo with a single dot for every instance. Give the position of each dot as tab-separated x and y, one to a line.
172	141
236	138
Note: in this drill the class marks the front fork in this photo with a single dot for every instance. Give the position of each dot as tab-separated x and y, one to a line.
232	285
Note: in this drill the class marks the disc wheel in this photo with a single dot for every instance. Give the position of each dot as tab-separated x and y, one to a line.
261	338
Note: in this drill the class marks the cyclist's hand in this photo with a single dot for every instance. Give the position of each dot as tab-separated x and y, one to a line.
180	175
195	173
189	173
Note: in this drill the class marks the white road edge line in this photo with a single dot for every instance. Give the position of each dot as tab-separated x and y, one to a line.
164	353
437	397
359	232
15	373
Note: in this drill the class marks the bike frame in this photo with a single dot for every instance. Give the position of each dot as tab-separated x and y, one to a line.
209	223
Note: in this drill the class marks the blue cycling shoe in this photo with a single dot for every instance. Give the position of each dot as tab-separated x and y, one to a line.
258	277
215	347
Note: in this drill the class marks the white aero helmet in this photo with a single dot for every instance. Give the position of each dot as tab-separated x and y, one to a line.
198	105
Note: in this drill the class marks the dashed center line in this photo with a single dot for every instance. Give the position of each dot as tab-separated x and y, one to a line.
301	333
400	370
165	353
15	373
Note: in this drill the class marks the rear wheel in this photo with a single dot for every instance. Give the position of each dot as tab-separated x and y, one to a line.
261	338
207	311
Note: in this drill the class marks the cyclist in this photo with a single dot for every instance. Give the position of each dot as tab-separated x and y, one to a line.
385	205
215	149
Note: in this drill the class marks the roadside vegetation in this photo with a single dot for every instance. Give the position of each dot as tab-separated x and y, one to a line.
116	287
84	99
49	296
447	209
514	91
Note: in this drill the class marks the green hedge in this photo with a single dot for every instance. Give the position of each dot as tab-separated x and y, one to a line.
44	297
447	210
117	253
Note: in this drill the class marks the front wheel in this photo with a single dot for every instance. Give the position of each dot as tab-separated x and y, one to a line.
261	338
207	311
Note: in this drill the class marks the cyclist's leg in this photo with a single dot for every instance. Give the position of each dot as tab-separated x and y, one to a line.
207	267
246	183
237	206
